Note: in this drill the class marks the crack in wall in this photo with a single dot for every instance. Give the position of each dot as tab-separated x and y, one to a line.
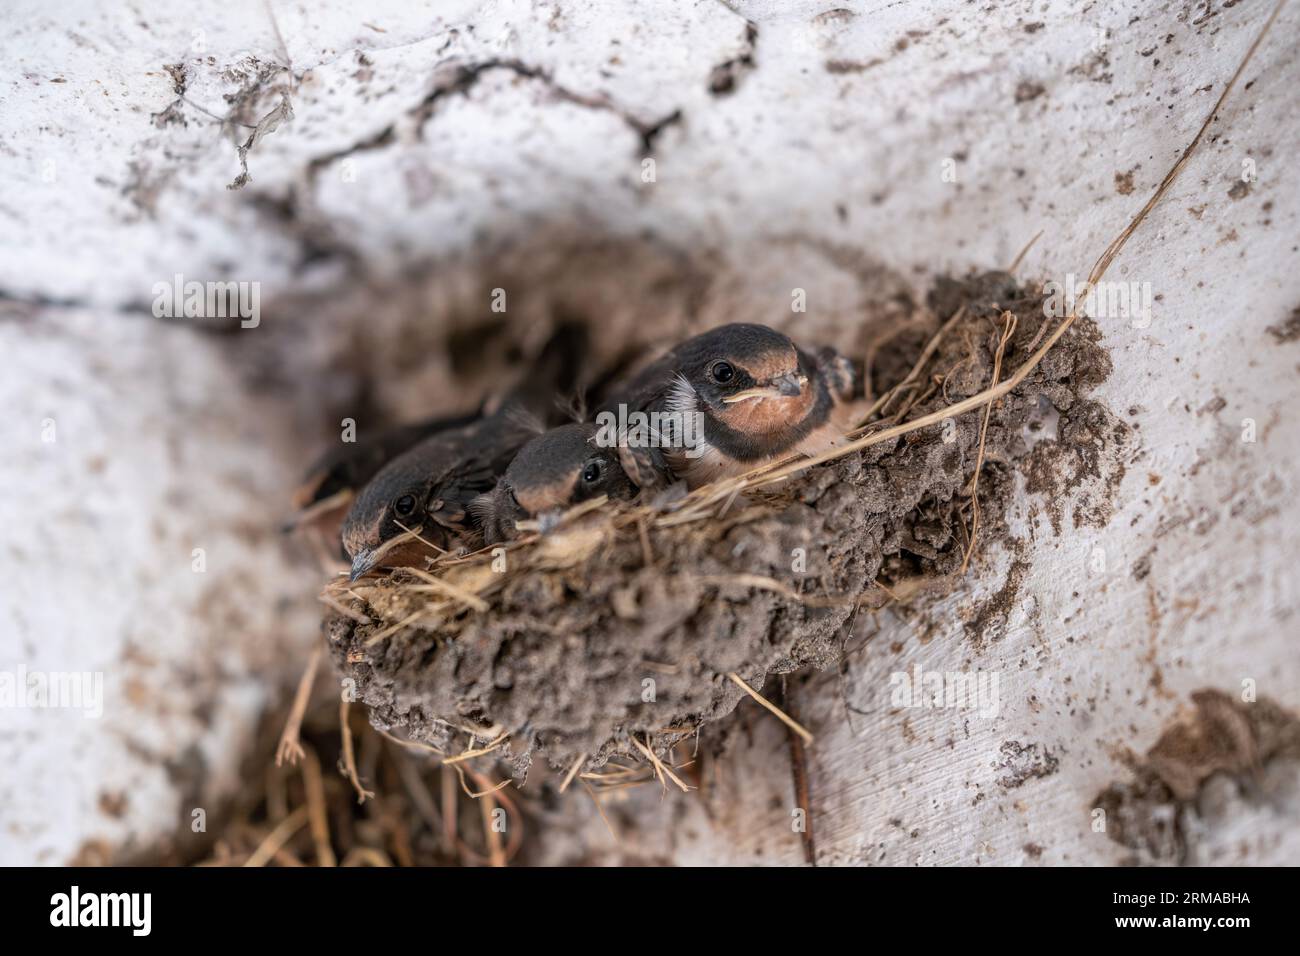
726	75
464	77
257	77
317	240
23	306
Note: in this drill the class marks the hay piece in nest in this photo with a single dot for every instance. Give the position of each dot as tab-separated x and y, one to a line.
616	625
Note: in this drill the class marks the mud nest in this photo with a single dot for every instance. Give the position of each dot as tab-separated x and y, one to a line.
631	625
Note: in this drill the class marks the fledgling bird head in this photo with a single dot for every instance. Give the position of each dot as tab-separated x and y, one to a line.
756	397
748	377
399	503
421	498
554	471
419	501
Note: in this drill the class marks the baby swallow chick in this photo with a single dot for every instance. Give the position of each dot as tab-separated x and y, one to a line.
423	496
554	471
333	480
755	396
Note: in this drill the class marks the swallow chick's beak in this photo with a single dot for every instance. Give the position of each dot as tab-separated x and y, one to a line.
790	384
407	549
362	564
783	386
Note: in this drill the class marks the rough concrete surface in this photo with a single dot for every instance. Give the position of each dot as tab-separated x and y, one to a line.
403	161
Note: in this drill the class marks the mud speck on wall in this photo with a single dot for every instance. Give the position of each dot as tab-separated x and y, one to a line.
1022	762
1227	759
562	660
1288	330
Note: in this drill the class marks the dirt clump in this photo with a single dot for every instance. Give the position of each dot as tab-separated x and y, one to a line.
1225	757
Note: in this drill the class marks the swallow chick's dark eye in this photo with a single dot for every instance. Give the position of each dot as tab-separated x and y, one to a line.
722	372
404	505
591	474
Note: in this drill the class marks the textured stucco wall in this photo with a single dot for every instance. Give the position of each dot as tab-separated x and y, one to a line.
435	148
